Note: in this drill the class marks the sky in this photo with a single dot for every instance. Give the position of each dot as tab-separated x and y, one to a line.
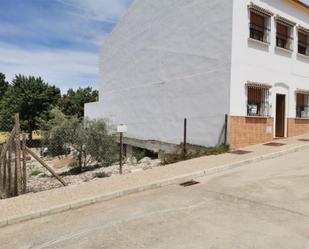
58	40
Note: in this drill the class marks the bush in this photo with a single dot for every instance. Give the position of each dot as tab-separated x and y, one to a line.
101	175
139	154
36	172
170	158
90	140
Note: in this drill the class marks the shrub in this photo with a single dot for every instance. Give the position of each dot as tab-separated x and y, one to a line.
139	154
36	172
90	140
101	175
170	158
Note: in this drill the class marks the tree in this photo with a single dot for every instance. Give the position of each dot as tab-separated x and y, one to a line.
4	85
72	103
91	140
32	98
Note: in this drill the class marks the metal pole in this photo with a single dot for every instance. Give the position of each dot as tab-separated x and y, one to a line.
120	153
225	129
185	138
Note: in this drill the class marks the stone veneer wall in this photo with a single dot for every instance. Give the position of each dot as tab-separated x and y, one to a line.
297	127
245	131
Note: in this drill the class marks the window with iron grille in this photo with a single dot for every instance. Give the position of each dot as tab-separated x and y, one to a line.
257	101
284	37
259	26
302	105
303	43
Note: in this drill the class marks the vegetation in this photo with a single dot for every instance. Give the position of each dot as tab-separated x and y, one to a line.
101	175
36	172
72	103
90	140
194	153
139	154
32	98
4	85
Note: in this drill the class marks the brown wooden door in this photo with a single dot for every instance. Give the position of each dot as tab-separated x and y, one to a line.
280	115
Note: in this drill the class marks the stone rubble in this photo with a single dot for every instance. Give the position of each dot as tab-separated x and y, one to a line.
39	179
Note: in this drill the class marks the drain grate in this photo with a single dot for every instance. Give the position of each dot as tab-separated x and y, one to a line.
304	140
240	152
274	144
189	183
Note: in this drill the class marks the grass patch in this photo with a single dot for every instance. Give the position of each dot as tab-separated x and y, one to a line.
36	172
169	158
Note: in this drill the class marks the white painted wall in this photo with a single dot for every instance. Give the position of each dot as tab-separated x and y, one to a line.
165	61
255	62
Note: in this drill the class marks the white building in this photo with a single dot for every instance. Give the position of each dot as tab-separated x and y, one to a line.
174	59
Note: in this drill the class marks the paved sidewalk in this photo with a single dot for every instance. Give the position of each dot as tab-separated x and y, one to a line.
32	206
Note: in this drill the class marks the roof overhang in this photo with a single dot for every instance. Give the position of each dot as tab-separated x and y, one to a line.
300	4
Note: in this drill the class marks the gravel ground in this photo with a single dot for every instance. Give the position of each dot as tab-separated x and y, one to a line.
39	179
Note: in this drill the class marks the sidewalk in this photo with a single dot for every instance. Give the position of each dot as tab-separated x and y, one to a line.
32	206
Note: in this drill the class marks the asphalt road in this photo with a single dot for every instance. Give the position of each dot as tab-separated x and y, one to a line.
262	205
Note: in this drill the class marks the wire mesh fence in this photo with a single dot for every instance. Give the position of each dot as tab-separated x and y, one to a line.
78	145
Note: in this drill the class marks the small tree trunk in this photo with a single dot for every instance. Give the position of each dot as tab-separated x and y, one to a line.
80	161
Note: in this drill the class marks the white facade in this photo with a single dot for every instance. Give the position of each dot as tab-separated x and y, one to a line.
284	70
174	59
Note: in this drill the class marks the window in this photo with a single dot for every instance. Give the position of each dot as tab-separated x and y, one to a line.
302	105
259	23
258	100
303	43
284	37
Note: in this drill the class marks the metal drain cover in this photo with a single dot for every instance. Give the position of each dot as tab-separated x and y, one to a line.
189	183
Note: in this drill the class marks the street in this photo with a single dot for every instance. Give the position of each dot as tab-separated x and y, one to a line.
261	205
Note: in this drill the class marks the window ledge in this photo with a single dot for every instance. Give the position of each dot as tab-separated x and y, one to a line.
303	56
284	50
261	117
267	44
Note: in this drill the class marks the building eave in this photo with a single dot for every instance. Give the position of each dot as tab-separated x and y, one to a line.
300	4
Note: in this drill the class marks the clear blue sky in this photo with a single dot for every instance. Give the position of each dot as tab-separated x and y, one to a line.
56	39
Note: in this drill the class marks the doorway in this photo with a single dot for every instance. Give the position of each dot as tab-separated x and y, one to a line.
280	115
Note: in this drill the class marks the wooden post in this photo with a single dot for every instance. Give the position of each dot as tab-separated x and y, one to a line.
10	170
225	128
24	164
185	138
17	156
4	173
36	157
120	153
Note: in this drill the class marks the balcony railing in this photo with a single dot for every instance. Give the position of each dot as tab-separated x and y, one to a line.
259	33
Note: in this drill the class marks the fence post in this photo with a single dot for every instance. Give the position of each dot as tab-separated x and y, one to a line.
225	128
120	153
24	164
10	170
185	138
17	156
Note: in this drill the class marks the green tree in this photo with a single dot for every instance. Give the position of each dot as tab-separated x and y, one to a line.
91	140
72	103
4	85
32	98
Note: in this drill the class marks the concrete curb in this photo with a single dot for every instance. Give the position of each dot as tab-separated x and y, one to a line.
154	185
